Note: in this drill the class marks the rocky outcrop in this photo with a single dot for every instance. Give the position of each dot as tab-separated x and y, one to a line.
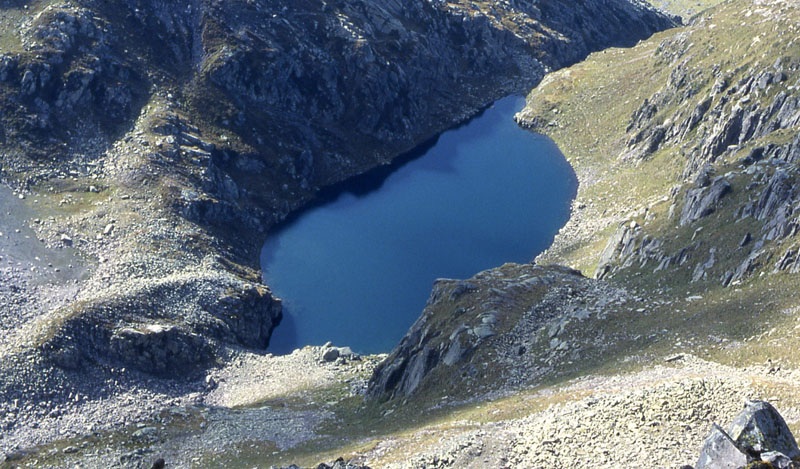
757	437
159	349
338	464
502	328
701	202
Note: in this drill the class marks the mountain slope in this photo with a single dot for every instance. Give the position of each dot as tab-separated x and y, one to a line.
686	151
158	142
684	145
685	148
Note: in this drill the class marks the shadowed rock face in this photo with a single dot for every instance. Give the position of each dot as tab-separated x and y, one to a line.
208	122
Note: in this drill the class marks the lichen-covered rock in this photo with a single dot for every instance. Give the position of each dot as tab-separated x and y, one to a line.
759	428
757	438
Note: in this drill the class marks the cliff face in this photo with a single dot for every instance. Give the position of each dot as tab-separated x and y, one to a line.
161	140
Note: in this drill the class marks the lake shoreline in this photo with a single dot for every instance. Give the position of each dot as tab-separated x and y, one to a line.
486	186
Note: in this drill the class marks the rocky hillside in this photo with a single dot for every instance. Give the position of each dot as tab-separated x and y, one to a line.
678	304
686	148
691	189
156	143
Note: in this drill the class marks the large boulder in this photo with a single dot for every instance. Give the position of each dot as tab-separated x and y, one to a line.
759	428
757	438
720	452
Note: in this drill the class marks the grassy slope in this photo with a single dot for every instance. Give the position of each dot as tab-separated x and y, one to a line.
684	8
589	107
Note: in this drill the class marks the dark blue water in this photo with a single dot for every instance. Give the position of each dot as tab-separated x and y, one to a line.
357	269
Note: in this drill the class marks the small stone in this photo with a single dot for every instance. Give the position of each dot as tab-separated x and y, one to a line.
484	331
777	459
211	383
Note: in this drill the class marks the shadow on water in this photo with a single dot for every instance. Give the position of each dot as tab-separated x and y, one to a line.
287	340
372	180
359	186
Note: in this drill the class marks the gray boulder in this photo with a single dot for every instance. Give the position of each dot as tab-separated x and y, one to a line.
759	428
778	460
758	438
330	355
720	452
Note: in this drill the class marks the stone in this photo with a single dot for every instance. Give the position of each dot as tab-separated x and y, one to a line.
720	452
745	240
703	178
462	287
484	331
159	464
456	352
777	459
211	383
759	428
146	434
330	355
28	83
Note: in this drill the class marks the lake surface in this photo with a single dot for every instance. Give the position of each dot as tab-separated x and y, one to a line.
357	268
